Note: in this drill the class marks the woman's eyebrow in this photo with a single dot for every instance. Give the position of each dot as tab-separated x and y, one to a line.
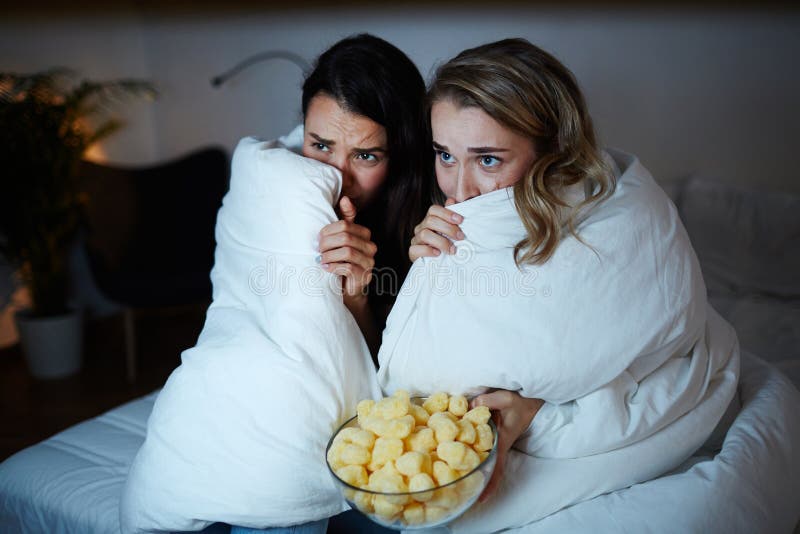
372	149
485	149
475	149
331	142
321	139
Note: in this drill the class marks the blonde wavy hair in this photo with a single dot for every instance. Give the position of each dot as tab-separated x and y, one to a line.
530	92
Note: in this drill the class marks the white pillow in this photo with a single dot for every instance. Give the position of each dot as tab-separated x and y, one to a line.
747	239
238	433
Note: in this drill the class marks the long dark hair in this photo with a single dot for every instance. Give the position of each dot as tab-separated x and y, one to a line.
371	77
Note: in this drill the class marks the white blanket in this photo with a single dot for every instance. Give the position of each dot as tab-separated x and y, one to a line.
238	433
750	485
616	336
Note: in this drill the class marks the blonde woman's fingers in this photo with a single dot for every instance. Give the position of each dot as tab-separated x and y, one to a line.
418	251
436	240
446	214
441	226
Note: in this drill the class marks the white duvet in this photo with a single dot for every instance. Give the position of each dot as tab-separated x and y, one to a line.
751	485
238	433
616	336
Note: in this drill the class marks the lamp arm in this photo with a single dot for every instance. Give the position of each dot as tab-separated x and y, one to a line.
219	80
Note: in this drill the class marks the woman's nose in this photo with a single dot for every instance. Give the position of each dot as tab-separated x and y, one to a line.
466	188
347	176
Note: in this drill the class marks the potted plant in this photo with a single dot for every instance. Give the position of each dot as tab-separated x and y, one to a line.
48	122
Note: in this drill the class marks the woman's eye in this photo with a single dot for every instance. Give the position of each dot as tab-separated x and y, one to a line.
490	161
322	147
366	156
444	157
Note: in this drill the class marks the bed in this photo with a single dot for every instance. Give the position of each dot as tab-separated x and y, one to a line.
747	475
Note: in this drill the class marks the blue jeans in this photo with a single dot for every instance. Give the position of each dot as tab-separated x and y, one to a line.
346	522
315	527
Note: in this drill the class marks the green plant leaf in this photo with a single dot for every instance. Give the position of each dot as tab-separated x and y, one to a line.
46	132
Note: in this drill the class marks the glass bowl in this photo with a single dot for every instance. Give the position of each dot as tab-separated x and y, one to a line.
419	509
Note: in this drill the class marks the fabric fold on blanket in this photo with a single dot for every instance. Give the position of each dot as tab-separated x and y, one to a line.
613	333
747	484
238	433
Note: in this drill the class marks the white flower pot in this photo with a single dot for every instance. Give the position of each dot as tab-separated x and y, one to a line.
53	346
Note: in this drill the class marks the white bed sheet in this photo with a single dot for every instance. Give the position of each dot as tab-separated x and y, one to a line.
71	483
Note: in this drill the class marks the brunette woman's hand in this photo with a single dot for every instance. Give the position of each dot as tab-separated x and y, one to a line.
346	250
512	413
431	235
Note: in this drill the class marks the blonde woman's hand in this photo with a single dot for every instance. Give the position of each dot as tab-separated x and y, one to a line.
346	250
512	413
431	235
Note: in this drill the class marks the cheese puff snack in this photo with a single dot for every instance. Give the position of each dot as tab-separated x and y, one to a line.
363	409
385	508
485	438
363	501
390	408
458	456
422	482
458	405
414	514
422	440
443	473
466	432
419	413
355	475
389	428
444	498
413	462
356	436
434	514
443	427
438	402
386	450
478	416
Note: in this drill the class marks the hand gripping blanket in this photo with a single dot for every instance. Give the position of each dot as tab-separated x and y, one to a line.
615	334
238	433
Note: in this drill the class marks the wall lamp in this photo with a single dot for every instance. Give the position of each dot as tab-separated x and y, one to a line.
219	80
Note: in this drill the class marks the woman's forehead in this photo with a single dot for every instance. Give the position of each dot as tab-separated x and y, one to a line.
327	119
467	126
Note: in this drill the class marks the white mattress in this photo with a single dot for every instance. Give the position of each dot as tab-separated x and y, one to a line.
71	483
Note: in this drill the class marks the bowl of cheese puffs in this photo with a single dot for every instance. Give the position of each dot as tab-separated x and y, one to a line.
409	463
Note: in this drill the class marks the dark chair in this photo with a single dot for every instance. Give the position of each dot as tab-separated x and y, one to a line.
150	232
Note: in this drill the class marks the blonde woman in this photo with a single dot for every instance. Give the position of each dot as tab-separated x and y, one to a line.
509	114
583	323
